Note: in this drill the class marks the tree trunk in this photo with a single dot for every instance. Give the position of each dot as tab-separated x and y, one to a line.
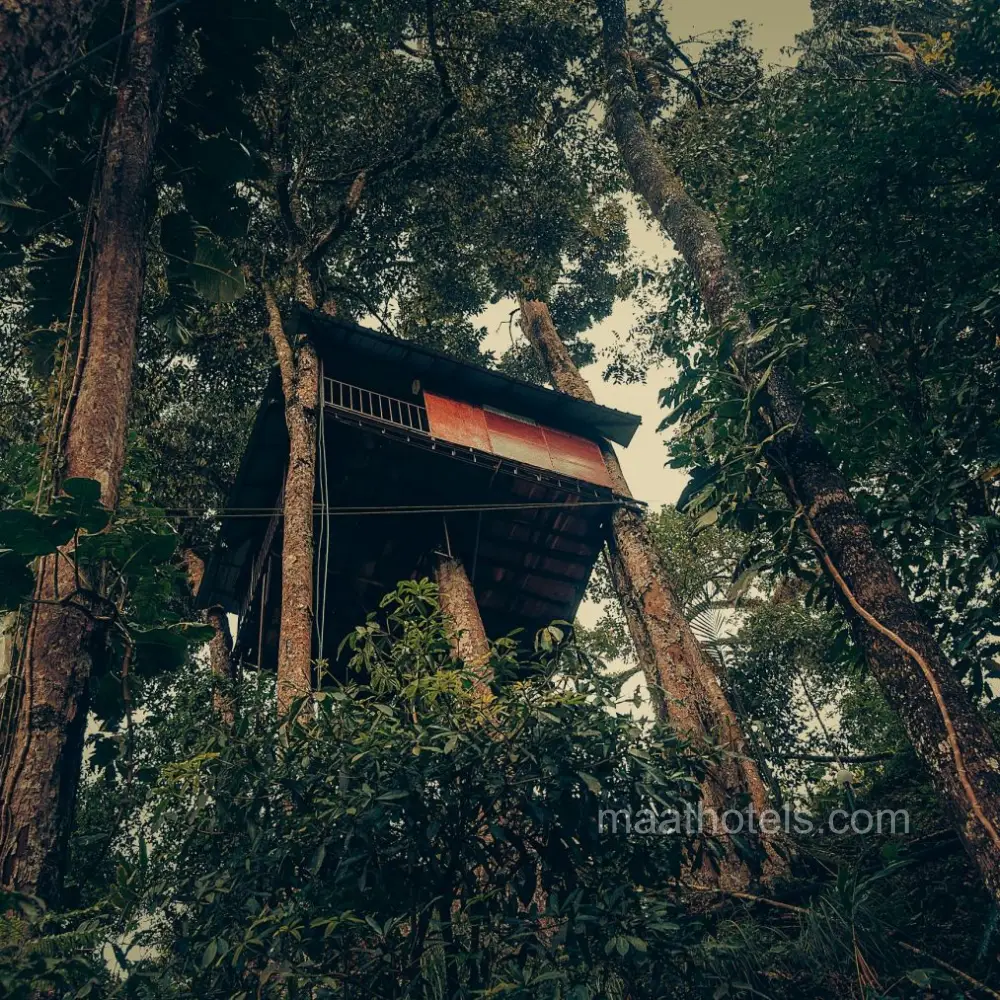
916	677
458	602
42	775
220	658
299	370
220	647
682	680
37	38
95	444
66	628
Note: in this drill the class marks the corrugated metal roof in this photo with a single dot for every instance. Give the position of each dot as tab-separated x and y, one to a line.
461	379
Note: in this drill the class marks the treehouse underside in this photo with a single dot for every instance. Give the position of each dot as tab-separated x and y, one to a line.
396	497
420	454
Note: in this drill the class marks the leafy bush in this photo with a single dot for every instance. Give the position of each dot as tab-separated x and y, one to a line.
417	837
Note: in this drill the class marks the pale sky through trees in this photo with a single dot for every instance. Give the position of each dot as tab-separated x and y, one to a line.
775	24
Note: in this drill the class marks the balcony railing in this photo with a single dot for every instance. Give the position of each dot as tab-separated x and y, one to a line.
400	413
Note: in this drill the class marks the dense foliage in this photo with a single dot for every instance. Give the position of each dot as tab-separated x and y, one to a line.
415	836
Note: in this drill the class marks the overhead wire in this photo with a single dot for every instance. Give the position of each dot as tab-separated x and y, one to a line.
236	513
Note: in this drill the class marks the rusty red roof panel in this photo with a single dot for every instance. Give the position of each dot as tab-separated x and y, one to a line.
517	439
576	456
460	423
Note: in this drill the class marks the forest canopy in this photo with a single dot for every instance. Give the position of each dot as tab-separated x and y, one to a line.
416	807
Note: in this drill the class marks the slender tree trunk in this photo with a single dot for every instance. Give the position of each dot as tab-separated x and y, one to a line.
299	370
67	627
917	679
37	38
220	647
220	658
458	602
682	680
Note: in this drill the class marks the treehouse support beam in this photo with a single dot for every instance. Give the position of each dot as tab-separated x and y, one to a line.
300	384
458	602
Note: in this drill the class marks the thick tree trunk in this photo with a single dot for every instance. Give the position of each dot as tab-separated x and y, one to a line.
95	444
67	627
672	659
458	602
37	38
42	775
916	677
299	370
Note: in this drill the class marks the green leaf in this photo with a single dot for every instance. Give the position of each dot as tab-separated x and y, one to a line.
79	507
29	535
213	273
761	334
591	782
86	490
707	519
317	859
762	381
16	580
166	648
208	955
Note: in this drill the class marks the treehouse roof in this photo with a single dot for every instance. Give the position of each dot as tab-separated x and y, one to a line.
465	380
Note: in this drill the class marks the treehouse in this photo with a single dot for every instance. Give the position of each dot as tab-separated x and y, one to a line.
420	456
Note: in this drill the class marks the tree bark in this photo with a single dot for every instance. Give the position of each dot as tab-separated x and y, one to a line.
42	775
917	679
95	444
220	659
37	38
682	680
458	602
299	370
220	647
68	622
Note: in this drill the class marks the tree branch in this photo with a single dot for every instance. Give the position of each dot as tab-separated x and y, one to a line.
364	178
435	52
282	348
